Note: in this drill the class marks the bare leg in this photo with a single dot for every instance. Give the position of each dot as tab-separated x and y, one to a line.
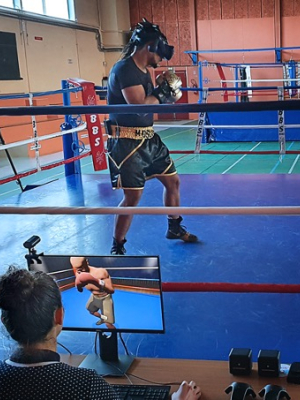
172	199
171	191
97	314
122	222
110	326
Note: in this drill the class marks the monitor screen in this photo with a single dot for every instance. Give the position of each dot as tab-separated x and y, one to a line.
130	299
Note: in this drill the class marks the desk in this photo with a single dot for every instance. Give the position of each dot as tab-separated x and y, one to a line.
212	376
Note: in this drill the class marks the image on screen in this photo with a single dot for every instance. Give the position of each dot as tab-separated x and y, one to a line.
133	305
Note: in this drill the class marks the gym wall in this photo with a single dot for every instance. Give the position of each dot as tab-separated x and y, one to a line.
48	53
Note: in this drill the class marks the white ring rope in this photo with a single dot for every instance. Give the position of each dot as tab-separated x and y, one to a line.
40	138
268	210
291	126
257	80
36	145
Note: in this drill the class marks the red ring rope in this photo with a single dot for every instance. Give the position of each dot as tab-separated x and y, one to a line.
44	168
229	287
50	166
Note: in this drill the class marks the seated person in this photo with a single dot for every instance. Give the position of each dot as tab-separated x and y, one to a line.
32	313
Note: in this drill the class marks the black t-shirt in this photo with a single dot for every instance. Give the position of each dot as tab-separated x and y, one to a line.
125	74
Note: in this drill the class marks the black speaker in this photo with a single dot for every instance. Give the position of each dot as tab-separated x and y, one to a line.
240	361
268	363
294	373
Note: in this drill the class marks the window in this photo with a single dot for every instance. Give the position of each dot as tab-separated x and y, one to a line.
33	6
9	64
6	3
57	8
52	8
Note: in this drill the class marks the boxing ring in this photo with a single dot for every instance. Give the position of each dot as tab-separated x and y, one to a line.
76	148
239	79
238	287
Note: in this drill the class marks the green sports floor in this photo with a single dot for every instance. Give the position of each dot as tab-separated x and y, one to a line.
185	138
180	139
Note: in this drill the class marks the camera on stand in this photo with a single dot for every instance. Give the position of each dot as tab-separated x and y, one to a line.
32	256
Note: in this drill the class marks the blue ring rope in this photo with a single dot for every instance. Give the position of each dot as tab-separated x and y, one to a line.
241	50
239	89
253	65
153	108
39	94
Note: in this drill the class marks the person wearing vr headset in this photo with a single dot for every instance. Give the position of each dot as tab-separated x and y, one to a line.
136	153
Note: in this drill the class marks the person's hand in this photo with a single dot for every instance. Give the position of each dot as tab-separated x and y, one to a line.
168	89
187	391
83	279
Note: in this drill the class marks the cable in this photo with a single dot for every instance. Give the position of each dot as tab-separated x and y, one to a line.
64	347
154	382
118	369
95	342
123	343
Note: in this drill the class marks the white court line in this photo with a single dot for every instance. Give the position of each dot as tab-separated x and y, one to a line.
294	164
177	133
240	159
184	132
10	191
86	165
279	162
180	161
36	183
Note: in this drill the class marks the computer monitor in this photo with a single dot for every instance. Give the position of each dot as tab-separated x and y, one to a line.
136	305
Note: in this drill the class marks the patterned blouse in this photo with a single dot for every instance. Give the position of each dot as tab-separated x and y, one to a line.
50	379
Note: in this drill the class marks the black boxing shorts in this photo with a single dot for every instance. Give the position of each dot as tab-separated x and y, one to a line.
132	162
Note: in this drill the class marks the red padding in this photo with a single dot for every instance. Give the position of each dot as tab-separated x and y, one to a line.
229	287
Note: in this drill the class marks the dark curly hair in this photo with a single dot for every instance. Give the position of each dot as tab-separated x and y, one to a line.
28	300
144	32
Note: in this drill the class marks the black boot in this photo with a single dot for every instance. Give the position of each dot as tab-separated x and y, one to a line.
177	231
117	248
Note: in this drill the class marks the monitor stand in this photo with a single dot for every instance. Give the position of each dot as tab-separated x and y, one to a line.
109	363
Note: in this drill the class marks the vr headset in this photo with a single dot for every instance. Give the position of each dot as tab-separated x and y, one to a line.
162	48
146	32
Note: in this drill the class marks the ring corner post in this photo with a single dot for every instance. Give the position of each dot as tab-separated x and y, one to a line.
93	124
200	74
69	149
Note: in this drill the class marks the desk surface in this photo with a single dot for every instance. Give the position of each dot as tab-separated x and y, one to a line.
212	376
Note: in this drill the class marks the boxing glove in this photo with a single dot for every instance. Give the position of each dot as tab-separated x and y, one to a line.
85	278
168	87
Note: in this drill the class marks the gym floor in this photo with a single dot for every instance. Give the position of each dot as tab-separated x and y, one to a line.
238	249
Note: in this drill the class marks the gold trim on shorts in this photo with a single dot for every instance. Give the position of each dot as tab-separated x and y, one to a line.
164	173
137	133
128	155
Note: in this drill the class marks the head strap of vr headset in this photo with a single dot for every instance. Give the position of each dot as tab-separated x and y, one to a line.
146	32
